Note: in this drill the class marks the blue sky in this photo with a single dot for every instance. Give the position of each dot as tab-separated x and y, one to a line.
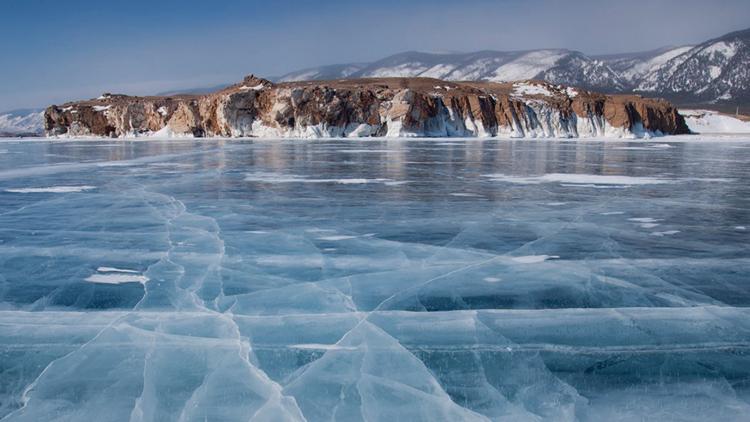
54	51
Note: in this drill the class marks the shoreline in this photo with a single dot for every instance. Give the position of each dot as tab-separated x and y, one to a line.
696	137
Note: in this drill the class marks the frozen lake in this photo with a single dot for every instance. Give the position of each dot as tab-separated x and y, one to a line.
375	280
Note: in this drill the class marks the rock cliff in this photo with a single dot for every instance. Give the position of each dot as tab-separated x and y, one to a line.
389	107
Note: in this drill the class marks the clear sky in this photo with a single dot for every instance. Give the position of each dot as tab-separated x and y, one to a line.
54	51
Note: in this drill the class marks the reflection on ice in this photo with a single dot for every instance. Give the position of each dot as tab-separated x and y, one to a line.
387	280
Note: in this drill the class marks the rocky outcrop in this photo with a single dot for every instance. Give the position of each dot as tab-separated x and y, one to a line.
390	107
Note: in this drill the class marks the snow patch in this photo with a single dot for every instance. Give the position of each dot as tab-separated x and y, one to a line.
533	259
252	88
404	70
527	66
291	178
167	133
521	89
52	189
665	233
336	238
578	179
116	278
466	195
654	63
722	48
644	220
707	121
115	270
317	346
112	275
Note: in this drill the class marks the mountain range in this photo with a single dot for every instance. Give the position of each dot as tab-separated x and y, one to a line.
716	72
25	122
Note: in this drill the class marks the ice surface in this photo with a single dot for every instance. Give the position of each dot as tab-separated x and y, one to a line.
344	280
167	133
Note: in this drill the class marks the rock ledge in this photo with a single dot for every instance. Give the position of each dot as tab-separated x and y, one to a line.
383	107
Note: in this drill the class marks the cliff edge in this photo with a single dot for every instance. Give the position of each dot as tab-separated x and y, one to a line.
383	107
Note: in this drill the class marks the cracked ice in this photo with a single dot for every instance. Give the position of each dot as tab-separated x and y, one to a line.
381	280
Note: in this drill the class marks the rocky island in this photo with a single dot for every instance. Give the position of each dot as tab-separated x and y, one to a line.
373	107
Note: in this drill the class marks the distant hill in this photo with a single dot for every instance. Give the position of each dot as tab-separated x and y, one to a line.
195	91
556	66
716	72
24	122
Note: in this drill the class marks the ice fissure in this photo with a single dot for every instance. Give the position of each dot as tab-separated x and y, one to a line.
533	280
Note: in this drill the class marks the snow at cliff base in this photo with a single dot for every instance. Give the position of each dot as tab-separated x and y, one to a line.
707	121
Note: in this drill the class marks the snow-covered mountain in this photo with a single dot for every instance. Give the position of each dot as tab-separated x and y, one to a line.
556	66
22	123
334	71
714	74
717	71
632	67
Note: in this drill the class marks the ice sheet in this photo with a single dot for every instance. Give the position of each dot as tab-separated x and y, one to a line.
381	280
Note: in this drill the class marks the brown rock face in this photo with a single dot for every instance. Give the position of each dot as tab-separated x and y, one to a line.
371	107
